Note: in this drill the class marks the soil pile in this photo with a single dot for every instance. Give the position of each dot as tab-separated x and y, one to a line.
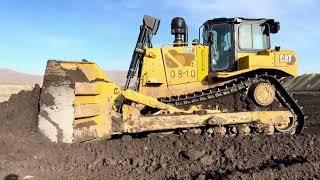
25	153
18	115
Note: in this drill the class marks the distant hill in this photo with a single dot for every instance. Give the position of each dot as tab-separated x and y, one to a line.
8	76
117	76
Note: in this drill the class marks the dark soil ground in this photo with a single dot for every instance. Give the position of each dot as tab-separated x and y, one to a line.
26	154
311	108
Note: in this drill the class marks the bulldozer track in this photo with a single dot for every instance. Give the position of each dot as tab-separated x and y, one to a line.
242	83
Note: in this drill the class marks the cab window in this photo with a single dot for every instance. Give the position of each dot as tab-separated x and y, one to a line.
252	36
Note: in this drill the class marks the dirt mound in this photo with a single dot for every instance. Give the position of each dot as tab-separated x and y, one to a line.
311	108
19	117
20	112
25	153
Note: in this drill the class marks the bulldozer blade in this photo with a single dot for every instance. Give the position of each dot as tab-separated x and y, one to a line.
74	104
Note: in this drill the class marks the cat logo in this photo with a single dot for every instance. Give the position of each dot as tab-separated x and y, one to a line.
288	59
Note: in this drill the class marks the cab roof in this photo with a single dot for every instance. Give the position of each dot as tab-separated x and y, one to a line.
234	20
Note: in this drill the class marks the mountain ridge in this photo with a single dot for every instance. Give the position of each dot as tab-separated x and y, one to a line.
9	76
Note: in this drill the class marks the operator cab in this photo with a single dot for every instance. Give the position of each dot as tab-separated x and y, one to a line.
226	37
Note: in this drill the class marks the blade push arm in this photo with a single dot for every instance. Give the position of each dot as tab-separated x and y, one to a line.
147	30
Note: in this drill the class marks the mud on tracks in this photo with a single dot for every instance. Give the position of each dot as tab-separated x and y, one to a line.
26	153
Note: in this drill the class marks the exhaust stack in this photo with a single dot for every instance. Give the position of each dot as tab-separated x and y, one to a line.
179	29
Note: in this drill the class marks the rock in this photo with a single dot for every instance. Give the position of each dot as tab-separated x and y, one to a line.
178	144
189	137
229	153
28	177
201	177
210	131
140	164
153	163
112	162
282	166
193	154
150	169
206	160
190	146
195	131
137	162
134	162
94	163
163	165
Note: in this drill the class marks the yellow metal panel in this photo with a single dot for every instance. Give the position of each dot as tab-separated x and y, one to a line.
284	61
98	106
91	92
285	58
250	60
87	110
153	70
87	89
89	69
93	72
173	71
86	99
203	62
180	64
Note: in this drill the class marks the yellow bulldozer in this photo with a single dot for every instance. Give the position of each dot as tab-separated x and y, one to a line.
228	81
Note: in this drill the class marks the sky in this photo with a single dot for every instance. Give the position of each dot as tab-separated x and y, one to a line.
105	31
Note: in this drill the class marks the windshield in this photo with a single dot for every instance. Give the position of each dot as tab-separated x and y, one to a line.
222	46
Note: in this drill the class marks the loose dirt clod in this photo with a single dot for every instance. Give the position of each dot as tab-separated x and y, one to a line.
193	154
26	153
